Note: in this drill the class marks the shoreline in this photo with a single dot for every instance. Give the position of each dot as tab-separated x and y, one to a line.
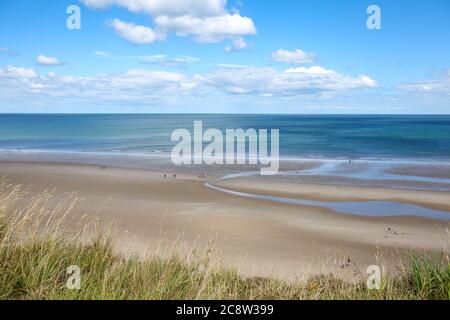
259	238
166	154
417	171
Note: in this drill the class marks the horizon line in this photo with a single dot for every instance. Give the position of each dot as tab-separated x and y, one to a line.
222	113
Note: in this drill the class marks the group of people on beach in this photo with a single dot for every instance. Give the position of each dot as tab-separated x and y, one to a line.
166	176
394	232
201	176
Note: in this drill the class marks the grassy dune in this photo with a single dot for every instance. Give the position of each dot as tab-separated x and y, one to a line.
35	253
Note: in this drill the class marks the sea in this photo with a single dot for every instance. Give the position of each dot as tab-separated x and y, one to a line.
383	137
389	151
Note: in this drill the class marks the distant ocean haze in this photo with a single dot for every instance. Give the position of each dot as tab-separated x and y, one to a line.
304	136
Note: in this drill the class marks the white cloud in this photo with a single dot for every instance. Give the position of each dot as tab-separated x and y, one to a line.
166	61
135	34
440	85
207	29
313	81
47	61
163	7
314	70
293	57
205	20
134	86
17	73
149	87
238	44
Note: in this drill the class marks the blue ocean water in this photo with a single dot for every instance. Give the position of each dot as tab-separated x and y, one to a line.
424	137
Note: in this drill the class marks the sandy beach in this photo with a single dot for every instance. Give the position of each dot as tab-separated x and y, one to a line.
257	237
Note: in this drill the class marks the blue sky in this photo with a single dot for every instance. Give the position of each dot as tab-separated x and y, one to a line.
217	56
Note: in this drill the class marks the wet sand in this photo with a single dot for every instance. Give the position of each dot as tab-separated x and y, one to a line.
260	238
431	199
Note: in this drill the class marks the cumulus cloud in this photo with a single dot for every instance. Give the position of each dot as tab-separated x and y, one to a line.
313	81
205	20
17	82
135	34
133	86
440	85
148	86
47	61
238	44
293	57
17	73
207	29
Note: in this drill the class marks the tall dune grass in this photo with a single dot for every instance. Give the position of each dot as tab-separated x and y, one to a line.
36	249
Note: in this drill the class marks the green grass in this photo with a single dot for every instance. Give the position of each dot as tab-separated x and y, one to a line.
34	258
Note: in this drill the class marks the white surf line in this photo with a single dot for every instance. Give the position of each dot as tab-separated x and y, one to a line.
362	208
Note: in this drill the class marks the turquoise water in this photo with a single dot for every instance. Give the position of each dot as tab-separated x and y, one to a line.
304	136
